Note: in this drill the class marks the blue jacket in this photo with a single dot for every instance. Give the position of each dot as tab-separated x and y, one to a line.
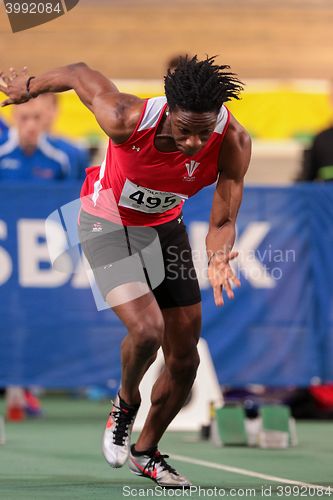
53	160
3	130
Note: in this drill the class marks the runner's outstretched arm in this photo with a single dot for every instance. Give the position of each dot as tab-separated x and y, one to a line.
234	160
116	113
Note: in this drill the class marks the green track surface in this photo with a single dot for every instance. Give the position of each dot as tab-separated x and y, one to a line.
58	457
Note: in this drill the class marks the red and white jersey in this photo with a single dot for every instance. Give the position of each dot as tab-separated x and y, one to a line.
138	185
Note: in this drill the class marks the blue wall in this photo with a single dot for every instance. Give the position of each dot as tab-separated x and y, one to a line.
278	331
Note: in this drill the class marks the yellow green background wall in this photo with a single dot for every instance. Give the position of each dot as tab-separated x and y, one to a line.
268	110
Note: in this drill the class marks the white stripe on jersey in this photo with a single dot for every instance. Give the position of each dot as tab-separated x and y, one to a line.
221	120
152	112
98	184
11	143
55	154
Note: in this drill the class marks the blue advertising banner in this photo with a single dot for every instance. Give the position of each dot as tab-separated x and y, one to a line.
277	332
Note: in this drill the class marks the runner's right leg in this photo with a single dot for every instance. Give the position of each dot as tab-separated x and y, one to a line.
144	322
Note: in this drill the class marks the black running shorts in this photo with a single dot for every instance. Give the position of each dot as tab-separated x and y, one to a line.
160	256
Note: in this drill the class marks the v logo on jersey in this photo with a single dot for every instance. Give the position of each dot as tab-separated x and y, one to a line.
191	167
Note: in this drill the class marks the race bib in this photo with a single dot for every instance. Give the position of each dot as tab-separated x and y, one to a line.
148	200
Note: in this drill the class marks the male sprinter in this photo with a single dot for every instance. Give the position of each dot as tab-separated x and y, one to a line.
161	151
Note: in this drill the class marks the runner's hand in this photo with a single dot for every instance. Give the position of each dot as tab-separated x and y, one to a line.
221	276
14	85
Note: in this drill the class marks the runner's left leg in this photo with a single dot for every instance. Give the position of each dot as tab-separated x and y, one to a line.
182	332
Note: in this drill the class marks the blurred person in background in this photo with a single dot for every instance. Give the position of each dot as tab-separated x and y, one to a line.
314	402
318	158
79	156
174	60
27	153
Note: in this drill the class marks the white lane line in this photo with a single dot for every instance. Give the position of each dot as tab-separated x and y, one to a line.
250	473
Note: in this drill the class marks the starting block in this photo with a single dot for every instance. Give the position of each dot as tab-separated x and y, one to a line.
278	429
273	428
231	425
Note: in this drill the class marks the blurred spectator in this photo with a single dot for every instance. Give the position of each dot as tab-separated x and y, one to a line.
315	402
318	159
30	152
27	153
79	157
173	62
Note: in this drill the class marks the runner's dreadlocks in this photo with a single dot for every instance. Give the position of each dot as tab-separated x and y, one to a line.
200	86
